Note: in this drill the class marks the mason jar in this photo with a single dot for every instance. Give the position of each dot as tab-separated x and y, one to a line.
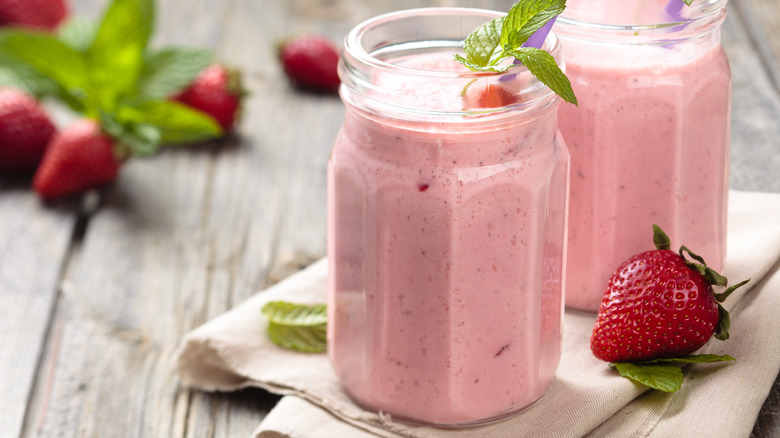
649	141
447	199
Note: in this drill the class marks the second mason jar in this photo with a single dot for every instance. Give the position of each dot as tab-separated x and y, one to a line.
649	141
447	198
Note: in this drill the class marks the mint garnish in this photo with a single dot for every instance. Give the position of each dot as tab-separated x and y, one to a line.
663	374
297	326
493	42
105	71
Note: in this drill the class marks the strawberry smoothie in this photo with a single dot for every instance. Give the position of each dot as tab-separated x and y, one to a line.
446	239
649	142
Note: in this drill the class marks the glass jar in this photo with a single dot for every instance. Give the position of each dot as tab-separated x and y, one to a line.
447	193
649	141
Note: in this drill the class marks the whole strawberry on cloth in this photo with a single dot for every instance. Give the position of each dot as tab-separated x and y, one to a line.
39	14
25	130
658	308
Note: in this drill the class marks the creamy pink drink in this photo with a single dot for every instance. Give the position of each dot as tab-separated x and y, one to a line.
446	228
649	141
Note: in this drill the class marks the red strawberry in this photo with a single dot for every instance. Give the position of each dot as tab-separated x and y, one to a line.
217	92
41	14
495	96
78	158
659	305
25	129
311	61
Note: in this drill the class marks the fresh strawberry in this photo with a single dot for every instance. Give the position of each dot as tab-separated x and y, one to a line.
25	130
495	96
78	158
659	305
311	61
40	14
217	92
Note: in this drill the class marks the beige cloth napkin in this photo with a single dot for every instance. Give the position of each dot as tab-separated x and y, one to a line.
586	398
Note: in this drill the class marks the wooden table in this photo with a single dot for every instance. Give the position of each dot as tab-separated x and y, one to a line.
96	292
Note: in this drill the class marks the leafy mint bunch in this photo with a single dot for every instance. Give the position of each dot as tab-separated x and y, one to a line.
501	38
107	72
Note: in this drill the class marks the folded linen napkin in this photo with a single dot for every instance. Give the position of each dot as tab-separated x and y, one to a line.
586	397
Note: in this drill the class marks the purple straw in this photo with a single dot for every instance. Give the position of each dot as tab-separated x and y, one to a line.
538	37
674	9
535	40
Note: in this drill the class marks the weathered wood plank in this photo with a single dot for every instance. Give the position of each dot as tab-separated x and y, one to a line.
34	242
755	109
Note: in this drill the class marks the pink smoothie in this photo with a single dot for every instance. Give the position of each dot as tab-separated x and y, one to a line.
446	255
649	145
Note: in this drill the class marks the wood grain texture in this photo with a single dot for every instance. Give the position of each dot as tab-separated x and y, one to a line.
34	242
190	233
755	148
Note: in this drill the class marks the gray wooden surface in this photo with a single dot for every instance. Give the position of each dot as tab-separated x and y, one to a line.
97	291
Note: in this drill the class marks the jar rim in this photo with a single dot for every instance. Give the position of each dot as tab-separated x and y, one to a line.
354	42
377	47
703	15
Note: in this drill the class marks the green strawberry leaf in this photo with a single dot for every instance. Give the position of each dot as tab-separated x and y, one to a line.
660	239
116	55
297	326
543	66
168	71
175	122
666	378
687	2
78	33
724	324
721	297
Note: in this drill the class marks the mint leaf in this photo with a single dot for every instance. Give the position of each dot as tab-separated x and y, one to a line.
486	47
482	45
666	378
134	137
687	2
78	33
297	326
47	56
525	18
17	74
656	374
693	358
115	58
168	71
175	122
543	66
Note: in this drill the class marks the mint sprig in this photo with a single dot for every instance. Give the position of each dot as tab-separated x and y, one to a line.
503	37
106	71
663	374
297	326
